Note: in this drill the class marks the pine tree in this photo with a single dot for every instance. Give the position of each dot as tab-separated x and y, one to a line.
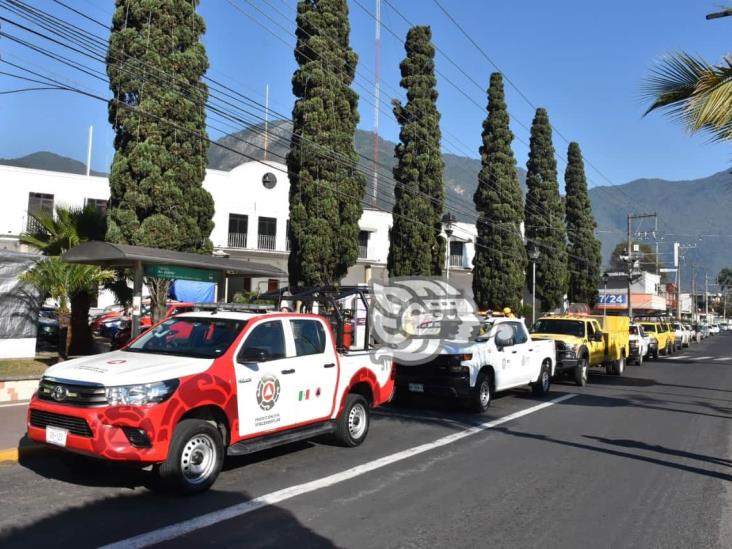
416	247
155	63
500	257
325	187
584	259
544	215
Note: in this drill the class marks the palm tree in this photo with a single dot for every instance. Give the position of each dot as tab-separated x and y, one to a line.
694	91
70	285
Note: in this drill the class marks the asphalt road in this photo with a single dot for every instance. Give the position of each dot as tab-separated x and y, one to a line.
644	460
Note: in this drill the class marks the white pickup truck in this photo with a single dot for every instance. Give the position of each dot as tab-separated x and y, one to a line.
472	371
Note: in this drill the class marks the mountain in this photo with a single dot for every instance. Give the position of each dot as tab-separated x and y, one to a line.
45	160
461	173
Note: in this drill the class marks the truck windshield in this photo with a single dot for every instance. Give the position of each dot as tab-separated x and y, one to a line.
649	327
559	326
189	336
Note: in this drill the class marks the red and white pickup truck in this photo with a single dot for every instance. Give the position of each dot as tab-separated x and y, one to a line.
204	384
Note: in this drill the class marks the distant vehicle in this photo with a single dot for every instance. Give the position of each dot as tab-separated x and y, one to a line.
682	336
123	334
663	335
586	341
714	329
47	329
641	345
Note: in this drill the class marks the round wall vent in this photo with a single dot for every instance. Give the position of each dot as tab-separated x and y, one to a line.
269	180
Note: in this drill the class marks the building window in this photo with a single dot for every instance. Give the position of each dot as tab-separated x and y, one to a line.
238	225
99	204
267	233
363	244
38	203
456	254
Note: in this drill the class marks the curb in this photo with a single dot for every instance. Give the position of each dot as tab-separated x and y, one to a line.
14	455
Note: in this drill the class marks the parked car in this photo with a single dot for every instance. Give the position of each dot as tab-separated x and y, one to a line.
662	334
473	371
586	341
641	345
200	386
47	327
123	334
682	336
714	329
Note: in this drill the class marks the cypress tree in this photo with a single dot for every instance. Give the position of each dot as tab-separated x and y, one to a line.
500	257
584	249
325	188
544	215
416	247
155	62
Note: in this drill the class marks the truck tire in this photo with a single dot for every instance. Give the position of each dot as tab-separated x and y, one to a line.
580	372
610	368
480	398
639	360
619	366
195	458
541	386
352	425
655	354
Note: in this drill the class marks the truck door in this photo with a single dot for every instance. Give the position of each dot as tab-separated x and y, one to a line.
597	348
521	358
266	389
316	370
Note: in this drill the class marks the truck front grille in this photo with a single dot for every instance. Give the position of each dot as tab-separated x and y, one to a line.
74	425
64	392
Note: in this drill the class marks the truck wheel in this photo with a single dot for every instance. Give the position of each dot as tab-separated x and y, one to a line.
195	457
580	372
655	354
619	366
669	350
610	368
639	360
480	400
352	425
541	386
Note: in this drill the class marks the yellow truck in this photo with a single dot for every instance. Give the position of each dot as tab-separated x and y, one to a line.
586	341
664	334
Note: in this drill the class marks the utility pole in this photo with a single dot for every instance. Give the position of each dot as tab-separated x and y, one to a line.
631	260
706	296
679	250
693	292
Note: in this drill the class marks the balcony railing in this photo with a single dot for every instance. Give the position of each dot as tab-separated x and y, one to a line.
456	260
363	251
237	240
266	242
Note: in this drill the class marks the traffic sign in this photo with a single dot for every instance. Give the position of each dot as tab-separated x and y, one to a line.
174	272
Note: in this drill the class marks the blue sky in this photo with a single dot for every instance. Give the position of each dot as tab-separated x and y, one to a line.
583	61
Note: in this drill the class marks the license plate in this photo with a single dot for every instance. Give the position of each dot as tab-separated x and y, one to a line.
56	436
416	387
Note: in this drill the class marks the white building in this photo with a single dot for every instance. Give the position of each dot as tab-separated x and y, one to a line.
251	215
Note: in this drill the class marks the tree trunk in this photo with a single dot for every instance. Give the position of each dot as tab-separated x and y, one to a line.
158	297
64	336
81	341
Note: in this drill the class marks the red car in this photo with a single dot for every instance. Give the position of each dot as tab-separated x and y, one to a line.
122	337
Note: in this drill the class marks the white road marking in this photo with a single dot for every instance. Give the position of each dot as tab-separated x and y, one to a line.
677	357
724	358
187	526
10	404
703	357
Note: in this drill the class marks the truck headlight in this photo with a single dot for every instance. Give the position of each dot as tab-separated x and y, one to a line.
139	395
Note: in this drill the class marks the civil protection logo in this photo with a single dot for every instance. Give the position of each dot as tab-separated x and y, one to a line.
268	391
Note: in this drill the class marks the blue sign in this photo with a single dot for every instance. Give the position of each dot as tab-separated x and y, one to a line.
612	299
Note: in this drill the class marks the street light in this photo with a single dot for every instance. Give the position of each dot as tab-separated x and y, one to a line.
533	256
448	220
605	277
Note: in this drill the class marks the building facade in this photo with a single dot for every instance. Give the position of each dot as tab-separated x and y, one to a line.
250	221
